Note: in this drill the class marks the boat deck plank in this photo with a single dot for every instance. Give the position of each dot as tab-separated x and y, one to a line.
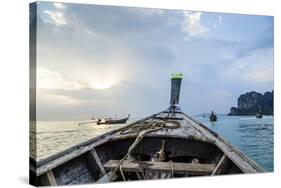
177	168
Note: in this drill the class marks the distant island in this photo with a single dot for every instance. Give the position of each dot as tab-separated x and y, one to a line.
251	102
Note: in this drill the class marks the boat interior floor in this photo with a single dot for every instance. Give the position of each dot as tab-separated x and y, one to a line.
164	158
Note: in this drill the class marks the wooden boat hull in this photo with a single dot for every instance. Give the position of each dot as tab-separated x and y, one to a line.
120	121
259	116
189	150
213	118
116	121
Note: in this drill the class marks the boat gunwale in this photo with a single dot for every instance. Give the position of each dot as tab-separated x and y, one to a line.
231	148
66	155
44	167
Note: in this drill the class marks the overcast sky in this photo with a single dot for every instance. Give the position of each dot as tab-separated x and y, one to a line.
100	61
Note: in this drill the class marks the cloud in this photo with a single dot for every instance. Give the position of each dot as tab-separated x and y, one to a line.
218	22
215	25
49	96
228	57
264	75
55	17
112	60
254	70
89	32
192	25
220	19
59	5
47	79
54	105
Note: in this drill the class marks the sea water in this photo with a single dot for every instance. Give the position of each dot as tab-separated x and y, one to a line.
50	137
252	136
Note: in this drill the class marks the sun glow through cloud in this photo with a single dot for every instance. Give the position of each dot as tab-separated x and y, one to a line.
102	85
103	60
48	79
105	80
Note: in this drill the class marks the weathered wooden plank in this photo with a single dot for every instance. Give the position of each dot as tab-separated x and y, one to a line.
73	172
178	168
220	165
51	178
67	157
95	155
106	178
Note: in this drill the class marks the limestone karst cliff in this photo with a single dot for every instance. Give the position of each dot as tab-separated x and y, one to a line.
251	102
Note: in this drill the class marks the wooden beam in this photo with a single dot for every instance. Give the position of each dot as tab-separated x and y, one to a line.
95	155
220	166
106	178
178	168
51	178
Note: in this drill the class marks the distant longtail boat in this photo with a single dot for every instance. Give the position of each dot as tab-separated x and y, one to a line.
113	121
